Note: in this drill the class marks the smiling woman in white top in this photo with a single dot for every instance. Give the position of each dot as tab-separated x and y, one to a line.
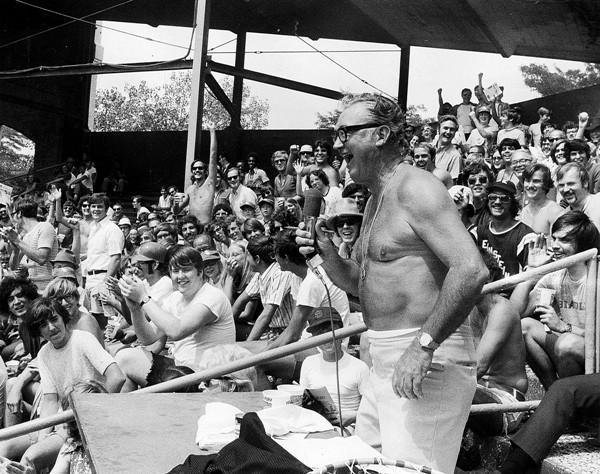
196	316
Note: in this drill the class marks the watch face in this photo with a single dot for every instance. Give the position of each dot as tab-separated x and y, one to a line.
425	339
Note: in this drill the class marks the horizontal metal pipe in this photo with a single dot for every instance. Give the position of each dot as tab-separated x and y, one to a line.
504	407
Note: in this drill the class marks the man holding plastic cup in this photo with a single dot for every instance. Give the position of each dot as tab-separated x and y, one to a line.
554	326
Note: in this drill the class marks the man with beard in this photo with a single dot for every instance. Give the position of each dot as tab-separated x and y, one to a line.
448	157
190	228
554	329
540	212
504	237
200	194
424	156
573	185
415	291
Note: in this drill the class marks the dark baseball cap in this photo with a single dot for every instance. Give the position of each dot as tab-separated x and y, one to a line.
508	188
320	318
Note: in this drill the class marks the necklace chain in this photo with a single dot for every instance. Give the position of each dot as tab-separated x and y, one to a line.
365	241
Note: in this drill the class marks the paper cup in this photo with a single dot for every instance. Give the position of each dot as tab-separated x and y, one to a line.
276	398
545	296
295	391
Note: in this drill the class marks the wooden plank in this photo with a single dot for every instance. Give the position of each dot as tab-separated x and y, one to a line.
149	433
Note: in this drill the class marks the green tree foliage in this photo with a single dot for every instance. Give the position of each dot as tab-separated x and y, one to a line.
547	82
140	107
16	154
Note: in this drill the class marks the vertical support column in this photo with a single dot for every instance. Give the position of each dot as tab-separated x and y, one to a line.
403	80
590	316
236	98
238	81
197	100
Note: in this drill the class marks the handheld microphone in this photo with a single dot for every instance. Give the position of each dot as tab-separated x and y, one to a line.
311	211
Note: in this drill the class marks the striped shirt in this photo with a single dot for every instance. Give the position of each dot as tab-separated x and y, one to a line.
277	288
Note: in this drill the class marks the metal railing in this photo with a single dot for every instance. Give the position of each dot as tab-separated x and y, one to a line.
290	349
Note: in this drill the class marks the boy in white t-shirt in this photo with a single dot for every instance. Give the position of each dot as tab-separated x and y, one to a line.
319	370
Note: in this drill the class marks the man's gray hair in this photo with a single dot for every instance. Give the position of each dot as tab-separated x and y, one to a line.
383	110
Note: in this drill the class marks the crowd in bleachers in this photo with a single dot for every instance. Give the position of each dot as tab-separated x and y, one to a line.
193	279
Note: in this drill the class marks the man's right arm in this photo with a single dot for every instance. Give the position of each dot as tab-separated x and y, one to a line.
344	273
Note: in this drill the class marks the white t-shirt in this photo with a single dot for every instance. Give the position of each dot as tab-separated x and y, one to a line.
41	236
187	351
82	358
569	300
331	198
312	293
354	374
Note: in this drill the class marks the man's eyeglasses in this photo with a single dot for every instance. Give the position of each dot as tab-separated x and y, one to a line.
198	168
507	148
232	178
280	161
503	198
552	140
522	162
343	132
478	180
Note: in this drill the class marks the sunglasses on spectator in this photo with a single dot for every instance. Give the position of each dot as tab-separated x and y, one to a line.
553	139
280	161
503	198
198	168
232	178
341	221
478	180
508	148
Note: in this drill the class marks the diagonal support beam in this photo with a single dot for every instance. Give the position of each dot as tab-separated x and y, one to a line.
274	80
504	49
219	93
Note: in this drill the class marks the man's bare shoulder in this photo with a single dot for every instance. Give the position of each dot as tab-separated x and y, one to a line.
414	184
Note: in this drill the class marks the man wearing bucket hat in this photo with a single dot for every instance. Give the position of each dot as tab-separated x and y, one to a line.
485	128
346	224
319	370
504	236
